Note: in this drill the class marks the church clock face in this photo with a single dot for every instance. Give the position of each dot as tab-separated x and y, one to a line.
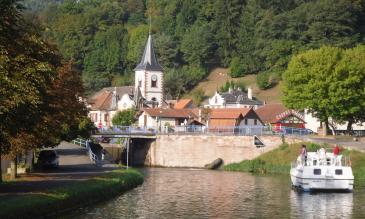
154	78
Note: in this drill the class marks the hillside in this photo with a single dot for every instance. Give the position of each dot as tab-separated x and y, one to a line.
218	77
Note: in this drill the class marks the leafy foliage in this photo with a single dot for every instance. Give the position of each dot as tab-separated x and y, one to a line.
39	95
236	68
329	82
124	118
234	85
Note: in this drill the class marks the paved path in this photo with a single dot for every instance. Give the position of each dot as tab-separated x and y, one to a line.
75	165
350	144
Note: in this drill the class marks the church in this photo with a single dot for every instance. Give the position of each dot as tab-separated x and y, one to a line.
147	91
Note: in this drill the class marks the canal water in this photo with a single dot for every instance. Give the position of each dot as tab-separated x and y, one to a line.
189	193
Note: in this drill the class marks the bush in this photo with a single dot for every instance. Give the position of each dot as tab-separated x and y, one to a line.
125	117
236	68
264	80
179	81
232	84
198	96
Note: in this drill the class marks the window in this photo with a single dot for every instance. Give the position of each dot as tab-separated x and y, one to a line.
255	122
317	171
246	122
153	81
106	117
338	172
139	83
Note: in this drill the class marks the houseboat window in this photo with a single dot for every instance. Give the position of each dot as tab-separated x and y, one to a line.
338	172
317	171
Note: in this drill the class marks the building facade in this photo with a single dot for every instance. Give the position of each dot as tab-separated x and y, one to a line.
234	98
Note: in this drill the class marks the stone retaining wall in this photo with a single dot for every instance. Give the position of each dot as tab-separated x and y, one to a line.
199	150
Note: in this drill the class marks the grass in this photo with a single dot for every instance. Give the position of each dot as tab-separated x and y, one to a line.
219	76
279	159
57	201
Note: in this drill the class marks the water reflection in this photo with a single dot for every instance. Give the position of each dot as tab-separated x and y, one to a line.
184	193
321	205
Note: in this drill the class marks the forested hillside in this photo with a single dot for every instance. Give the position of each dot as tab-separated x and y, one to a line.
105	38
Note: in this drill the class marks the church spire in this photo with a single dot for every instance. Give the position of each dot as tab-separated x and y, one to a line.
149	61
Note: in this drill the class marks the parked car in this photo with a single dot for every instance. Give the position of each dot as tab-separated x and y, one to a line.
48	158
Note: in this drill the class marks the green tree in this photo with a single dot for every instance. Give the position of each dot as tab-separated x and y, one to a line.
329	82
124	118
347	91
265	80
197	96
137	40
197	52
236	68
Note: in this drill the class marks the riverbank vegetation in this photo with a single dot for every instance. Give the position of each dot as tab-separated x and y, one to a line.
81	193
278	161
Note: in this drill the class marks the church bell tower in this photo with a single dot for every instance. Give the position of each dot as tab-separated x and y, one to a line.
149	77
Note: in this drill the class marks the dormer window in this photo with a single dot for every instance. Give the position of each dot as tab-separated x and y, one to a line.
153	81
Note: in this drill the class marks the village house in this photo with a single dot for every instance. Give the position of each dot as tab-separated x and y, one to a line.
232	117
165	117
104	104
313	123
277	115
234	120
234	98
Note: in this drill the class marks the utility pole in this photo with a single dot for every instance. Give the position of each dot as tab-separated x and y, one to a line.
128	153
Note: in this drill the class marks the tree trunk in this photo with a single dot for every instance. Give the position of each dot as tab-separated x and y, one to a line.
325	126
349	127
1	171
13	168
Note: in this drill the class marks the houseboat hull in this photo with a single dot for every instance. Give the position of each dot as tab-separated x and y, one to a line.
302	178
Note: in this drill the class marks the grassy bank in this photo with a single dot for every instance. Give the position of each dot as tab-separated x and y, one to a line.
57	201
278	161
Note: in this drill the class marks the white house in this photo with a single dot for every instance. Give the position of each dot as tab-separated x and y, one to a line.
314	124
162	117
105	103
234	98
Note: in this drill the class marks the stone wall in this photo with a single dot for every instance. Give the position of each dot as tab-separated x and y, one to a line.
199	150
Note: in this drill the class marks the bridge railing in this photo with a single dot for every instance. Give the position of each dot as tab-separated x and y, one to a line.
79	141
211	130
86	144
127	130
231	130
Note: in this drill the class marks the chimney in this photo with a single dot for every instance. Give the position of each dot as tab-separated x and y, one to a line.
249	93
200	115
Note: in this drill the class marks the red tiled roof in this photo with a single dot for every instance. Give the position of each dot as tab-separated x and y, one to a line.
275	112
228	113
102	101
170	113
183	103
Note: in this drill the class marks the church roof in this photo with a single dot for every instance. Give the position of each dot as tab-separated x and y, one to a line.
149	61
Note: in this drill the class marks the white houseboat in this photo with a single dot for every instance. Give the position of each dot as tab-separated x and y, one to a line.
322	171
